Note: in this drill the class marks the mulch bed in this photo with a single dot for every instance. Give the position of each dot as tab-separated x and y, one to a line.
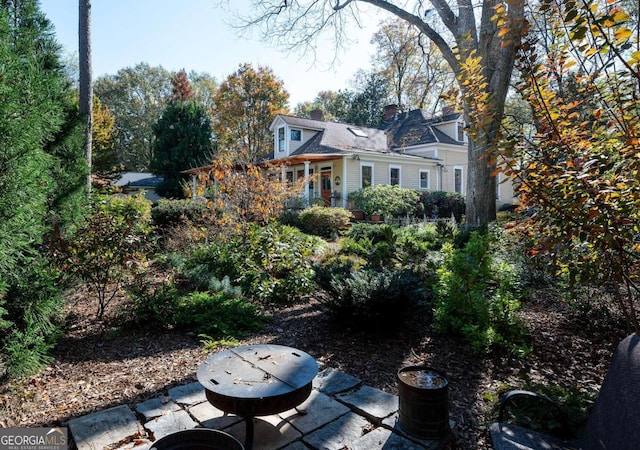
98	365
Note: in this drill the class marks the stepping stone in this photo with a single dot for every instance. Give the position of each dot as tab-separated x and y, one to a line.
156	407
331	381
315	412
371	402
170	423
393	423
381	438
269	432
339	434
105	428
211	417
188	394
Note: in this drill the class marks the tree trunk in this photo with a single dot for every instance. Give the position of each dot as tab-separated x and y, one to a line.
86	90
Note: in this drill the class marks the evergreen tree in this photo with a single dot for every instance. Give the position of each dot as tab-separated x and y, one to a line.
182	137
42	177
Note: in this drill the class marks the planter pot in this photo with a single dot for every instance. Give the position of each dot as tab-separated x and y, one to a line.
357	214
198	439
423	395
376	218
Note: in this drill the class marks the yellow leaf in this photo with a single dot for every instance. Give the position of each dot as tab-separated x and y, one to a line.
620	16
623	33
503	31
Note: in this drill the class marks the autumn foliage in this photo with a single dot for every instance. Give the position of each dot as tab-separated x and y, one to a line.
247	193
578	176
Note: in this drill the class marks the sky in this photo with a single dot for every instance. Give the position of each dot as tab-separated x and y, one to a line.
197	35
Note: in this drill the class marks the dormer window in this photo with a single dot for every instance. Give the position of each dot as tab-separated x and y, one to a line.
281	143
296	135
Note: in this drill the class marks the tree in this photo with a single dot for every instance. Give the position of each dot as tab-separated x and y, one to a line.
366	107
483	35
42	181
413	66
578	172
334	105
136	96
85	85
104	139
182	137
246	104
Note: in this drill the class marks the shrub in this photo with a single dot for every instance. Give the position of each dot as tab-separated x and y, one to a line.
384	199
476	296
366	298
324	222
441	205
376	243
103	248
173	212
219	314
268	263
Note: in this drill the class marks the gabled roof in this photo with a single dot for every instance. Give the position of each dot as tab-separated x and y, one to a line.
300	122
416	128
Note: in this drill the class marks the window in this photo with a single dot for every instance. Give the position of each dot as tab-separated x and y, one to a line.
290	176
394	175
460	131
296	135
358	132
281	143
366	175
425	179
457	179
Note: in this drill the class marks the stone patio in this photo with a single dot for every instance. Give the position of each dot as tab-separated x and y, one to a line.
340	413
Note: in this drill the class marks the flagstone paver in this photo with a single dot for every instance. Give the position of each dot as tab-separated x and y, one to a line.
340	413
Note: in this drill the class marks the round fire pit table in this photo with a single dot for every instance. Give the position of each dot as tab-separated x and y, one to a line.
257	380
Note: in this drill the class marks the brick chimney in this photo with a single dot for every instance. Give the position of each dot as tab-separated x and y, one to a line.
317	114
448	109
390	111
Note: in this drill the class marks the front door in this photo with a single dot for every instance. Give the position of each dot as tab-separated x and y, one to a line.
325	184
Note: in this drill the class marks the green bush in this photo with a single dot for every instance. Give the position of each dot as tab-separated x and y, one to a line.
441	204
172	212
219	314
387	200
371	299
376	243
323	221
101	251
270	263
477	297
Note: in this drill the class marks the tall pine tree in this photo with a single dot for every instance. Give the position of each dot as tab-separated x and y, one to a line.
42	176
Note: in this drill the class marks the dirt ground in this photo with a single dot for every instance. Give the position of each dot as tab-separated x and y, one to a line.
99	365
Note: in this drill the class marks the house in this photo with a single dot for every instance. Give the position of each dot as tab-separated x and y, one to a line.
409	149
140	182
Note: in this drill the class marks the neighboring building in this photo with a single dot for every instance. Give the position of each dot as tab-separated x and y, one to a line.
140	182
409	149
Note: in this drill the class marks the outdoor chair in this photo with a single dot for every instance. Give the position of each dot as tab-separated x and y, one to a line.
613	422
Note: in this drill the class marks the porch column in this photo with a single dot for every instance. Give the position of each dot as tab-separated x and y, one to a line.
344	181
283	173
306	181
194	186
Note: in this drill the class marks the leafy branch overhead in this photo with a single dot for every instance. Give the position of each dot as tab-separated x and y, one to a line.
578	173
